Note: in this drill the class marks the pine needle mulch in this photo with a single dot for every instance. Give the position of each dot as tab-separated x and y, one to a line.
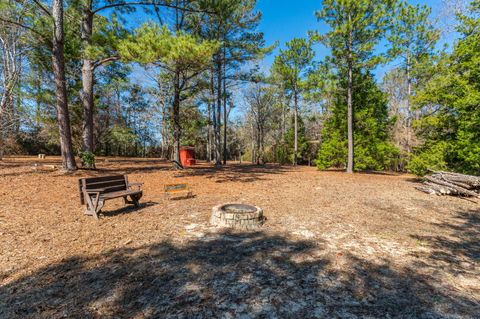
333	245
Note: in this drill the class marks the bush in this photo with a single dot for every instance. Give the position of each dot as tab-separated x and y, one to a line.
332	152
378	156
429	158
87	159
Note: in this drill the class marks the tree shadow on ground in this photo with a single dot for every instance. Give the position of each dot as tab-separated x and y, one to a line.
459	249
244	173
109	167
133	169
131	166
228	275
381	173
126	209
26	173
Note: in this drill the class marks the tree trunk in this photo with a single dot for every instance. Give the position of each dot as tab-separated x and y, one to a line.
284	130
107	125
253	144
295	148
58	62
164	132
87	80
209	133
262	145
225	113
1	142
350	121
176	118
218	143
87	102
350	107
11	66
409	110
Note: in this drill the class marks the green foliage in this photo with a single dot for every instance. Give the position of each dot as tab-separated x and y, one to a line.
373	151
412	36
281	154
192	122
122	135
333	150
158	45
429	158
290	141
107	35
356	27
450	103
289	70
87	159
293	62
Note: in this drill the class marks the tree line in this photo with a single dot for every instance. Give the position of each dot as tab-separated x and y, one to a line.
143	78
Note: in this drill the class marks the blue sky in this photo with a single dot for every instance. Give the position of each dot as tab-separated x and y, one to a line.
284	20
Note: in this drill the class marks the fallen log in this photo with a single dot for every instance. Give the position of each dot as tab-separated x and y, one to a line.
447	183
427	190
459	190
460	184
474	181
440	189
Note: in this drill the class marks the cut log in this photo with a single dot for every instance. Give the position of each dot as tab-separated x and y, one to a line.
459	190
462	178
440	189
446	183
427	190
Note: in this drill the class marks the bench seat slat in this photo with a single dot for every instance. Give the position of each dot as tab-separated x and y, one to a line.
119	194
111	189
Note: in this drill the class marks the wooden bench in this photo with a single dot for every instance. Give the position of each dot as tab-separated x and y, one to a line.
96	190
177	190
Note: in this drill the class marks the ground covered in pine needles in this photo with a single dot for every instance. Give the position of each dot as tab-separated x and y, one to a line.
333	246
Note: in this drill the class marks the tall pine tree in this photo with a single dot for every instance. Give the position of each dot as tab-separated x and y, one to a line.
356	27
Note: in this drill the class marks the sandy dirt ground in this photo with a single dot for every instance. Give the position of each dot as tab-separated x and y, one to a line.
333	246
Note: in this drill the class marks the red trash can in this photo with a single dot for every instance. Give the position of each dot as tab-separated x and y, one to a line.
187	156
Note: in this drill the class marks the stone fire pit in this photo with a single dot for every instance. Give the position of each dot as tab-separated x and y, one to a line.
237	216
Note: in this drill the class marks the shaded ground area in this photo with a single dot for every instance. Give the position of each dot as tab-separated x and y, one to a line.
334	245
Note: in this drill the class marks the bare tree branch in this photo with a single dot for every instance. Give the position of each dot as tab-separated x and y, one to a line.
106	60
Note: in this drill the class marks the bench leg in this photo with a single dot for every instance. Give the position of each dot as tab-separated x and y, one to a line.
136	200
94	206
99	208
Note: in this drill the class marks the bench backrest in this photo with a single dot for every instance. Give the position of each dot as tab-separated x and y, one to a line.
172	188
112	183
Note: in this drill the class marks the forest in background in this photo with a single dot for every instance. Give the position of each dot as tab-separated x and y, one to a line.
70	84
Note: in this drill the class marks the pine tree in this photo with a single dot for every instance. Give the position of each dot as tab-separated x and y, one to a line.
183	55
373	150
47	27
292	65
234	26
99	38
413	38
356	27
450	122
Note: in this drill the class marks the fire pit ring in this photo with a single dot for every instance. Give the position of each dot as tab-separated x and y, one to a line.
237	216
